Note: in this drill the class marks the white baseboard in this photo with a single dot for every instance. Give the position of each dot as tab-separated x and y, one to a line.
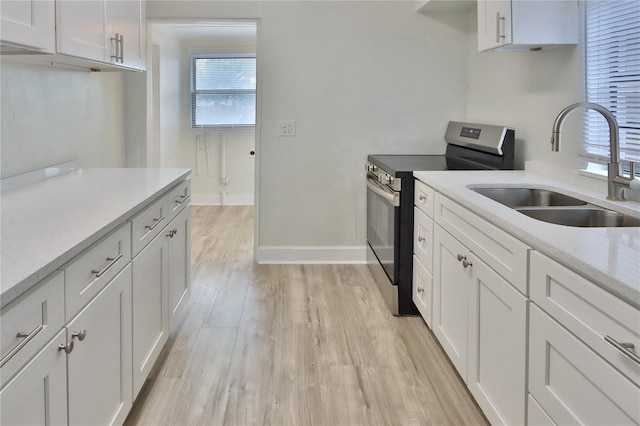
215	199
312	255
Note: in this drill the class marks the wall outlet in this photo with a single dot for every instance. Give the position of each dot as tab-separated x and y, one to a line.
287	128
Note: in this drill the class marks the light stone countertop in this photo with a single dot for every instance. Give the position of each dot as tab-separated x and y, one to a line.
46	224
610	257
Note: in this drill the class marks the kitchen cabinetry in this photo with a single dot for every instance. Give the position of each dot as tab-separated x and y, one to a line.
37	395
109	31
479	317
422	292
161	277
179	236
99	366
68	342
526	24
577	373
28	25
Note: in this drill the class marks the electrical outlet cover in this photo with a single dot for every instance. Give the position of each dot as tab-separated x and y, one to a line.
287	128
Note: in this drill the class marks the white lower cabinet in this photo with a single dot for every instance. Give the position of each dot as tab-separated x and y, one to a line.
37	395
99	366
452	283
422	290
480	321
179	233
573	383
150	307
496	374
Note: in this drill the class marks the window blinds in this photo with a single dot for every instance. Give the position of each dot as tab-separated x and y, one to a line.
612	71
223	91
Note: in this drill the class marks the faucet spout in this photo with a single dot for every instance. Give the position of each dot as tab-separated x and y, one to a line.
617	182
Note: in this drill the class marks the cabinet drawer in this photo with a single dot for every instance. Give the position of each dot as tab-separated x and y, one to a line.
95	267
422	290
502	252
147	224
423	238
590	312
572	383
178	198
29	322
423	198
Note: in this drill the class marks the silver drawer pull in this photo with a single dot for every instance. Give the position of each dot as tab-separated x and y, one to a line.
67	348
461	257
466	263
420	289
112	261
625	348
422	197
21	335
156	222
182	199
421	238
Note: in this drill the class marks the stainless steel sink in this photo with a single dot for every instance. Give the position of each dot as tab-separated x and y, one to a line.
582	217
560	209
528	197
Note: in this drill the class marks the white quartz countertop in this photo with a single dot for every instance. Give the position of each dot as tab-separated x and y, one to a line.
46	224
610	257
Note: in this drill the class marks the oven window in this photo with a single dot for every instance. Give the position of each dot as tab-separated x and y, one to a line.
380	230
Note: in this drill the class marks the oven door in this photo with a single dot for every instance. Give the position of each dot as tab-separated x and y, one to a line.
382	225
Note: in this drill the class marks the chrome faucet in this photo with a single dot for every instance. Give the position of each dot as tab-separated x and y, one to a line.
617	182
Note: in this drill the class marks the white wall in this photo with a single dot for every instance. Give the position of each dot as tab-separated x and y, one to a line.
52	115
358	78
181	148
527	90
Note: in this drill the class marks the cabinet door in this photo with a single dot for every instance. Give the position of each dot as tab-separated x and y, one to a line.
494	23
422	290
127	18
29	23
100	363
81	29
573	384
179	234
497	345
150	307
38	394
451	282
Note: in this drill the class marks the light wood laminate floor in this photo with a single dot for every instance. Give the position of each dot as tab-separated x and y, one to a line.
293	345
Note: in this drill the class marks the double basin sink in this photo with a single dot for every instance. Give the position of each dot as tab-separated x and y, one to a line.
560	209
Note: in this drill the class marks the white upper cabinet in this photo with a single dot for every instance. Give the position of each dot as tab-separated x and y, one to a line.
28	25
526	24
105	31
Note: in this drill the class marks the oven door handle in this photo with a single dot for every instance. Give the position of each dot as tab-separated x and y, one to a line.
391	197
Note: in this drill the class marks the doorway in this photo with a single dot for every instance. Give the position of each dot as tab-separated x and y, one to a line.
224	158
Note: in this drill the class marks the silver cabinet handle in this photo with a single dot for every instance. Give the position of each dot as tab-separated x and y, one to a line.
498	19
422	197
155	223
421	238
121	49
420	290
172	233
466	263
80	335
461	257
67	348
182	199
26	339
112	261
625	348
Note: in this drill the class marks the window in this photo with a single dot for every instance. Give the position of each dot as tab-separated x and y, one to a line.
612	76
223	91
